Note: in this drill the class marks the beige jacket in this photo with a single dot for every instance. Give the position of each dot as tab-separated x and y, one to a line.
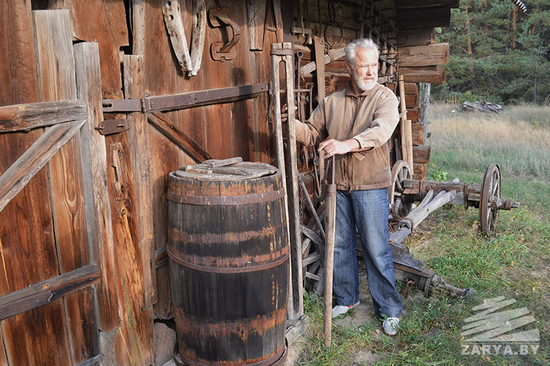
369	118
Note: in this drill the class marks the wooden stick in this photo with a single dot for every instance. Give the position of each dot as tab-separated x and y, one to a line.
329	255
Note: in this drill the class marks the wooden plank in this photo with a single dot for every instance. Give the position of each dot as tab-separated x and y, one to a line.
26	234
416	37
18	175
141	160
136	328
242	116
430	55
414	114
179	137
56	67
417	134
221	141
25	117
255	11
421	154
161	77
427	74
411	95
47	291
109	29
94	158
403	4
419	171
438	16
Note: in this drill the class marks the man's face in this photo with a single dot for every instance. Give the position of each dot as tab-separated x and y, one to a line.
364	73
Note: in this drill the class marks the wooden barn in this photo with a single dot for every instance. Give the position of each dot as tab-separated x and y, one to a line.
101	100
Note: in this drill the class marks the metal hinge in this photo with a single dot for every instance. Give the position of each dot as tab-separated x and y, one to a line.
111	126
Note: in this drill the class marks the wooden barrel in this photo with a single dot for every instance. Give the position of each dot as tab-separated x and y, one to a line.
229	263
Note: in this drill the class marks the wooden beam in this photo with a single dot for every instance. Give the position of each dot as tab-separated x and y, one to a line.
426	74
138	136
47	291
424	18
255	15
430	55
408	4
18	175
98	209
56	65
421	154
25	117
416	37
180	138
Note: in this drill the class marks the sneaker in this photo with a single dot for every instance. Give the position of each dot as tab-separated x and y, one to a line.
342	309
390	326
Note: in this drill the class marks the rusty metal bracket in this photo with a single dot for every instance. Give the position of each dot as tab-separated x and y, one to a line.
222	51
112	126
183	100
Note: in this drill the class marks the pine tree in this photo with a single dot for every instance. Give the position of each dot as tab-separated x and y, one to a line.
498	52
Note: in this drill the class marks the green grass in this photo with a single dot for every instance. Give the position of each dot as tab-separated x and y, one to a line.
514	262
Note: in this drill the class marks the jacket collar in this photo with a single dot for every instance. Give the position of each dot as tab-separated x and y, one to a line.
349	90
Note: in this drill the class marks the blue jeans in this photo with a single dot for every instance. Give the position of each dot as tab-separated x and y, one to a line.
365	213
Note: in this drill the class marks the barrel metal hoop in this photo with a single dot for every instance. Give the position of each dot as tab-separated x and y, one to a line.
227	200
198	267
278	357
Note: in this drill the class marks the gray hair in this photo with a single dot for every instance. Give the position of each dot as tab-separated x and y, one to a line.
351	48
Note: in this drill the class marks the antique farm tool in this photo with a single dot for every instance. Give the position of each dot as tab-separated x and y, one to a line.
404	191
410	269
285	141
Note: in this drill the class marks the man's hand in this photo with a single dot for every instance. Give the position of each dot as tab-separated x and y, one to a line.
284	113
335	147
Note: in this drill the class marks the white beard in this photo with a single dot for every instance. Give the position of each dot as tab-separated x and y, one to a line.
364	86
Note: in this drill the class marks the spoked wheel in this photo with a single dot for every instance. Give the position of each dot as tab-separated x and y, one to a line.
400	204
313	254
489	200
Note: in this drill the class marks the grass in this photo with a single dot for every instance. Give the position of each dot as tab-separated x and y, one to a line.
514	262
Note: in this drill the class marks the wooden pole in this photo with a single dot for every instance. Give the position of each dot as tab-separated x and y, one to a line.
329	254
286	162
406	127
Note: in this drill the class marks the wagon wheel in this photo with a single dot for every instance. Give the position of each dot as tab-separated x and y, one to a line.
490	197
400	204
313	253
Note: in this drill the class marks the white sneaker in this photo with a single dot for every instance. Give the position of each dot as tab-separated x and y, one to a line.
342	309
390	326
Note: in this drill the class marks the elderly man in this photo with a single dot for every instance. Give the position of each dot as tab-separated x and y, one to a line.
355	125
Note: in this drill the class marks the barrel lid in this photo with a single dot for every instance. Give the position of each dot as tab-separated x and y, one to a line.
226	169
